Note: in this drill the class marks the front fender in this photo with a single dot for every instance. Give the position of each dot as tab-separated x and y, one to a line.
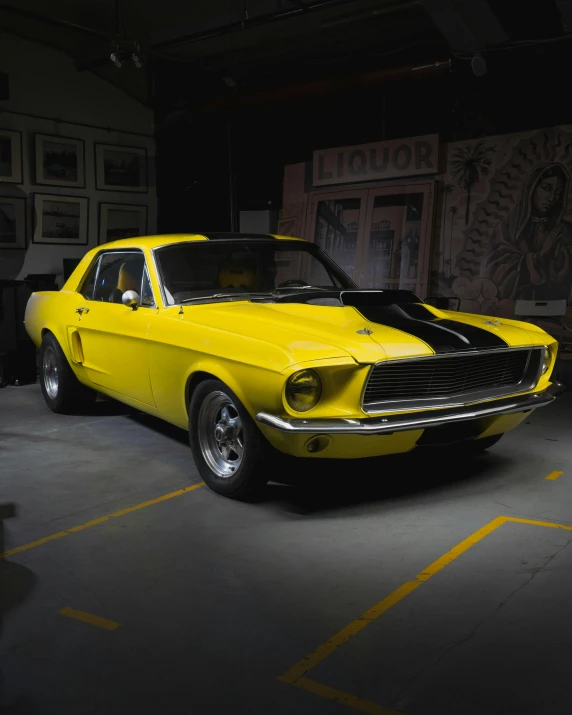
252	385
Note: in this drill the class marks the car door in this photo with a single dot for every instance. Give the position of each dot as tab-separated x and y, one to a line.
108	338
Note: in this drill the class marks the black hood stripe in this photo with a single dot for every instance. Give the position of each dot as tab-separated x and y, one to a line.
442	335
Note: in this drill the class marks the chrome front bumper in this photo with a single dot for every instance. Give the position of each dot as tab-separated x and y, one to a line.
415	420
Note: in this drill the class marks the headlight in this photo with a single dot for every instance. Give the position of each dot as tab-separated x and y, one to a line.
303	390
545	360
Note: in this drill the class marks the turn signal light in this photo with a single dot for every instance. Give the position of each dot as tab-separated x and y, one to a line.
545	360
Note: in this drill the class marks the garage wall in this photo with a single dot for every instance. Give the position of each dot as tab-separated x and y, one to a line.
45	83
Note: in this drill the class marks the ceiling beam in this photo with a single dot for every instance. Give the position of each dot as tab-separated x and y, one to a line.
467	25
239	21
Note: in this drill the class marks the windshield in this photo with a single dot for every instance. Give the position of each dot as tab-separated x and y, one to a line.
205	269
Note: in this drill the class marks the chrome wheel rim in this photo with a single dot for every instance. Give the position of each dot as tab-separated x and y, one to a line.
50	370
220	434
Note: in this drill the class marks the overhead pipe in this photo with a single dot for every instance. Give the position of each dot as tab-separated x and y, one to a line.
348	83
244	24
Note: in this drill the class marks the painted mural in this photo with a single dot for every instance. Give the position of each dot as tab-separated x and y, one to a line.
506	223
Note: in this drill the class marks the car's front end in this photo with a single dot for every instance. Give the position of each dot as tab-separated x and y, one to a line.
450	392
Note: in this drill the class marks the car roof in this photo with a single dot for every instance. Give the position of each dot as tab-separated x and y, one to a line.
169	239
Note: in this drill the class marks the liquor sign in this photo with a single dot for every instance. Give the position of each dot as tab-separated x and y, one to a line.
381	160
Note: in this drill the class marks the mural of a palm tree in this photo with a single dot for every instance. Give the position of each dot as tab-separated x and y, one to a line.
454	210
468	164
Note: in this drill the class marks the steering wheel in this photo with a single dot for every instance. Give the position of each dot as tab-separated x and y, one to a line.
292	282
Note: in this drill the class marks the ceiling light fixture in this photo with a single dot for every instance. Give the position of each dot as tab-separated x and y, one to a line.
116	59
478	65
123	50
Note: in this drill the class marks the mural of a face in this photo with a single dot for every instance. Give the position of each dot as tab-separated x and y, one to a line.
547	194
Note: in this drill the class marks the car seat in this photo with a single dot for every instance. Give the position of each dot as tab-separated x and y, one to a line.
128	278
237	274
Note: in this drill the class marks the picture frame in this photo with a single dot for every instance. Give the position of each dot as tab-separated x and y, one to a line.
59	161
117	221
11	156
61	220
120	168
13	222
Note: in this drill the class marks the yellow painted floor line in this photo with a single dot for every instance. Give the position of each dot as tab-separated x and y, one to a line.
100	520
296	675
90	618
534	522
554	475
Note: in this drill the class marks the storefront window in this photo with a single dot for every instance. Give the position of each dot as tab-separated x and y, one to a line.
337	222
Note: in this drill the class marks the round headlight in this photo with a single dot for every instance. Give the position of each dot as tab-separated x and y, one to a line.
545	360
303	390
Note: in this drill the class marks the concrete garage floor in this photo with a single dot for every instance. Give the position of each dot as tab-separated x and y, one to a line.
216	599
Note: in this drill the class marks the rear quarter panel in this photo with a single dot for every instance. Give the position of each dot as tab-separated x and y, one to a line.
45	311
48	310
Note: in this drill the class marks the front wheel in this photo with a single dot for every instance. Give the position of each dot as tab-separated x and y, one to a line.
228	448
62	391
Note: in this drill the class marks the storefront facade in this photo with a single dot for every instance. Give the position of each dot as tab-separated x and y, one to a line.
371	207
486	222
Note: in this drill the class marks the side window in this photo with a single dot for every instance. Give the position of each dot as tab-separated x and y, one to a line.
119	272
88	284
146	291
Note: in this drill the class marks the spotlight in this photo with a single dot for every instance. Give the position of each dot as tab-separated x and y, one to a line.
136	60
115	58
478	65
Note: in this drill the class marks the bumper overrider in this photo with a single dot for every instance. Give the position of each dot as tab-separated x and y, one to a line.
418	420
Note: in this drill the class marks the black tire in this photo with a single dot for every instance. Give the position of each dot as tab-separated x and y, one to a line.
65	394
244	476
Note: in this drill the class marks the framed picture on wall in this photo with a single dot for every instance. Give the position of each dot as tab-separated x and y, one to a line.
12	222
121	221
59	161
61	219
120	168
10	156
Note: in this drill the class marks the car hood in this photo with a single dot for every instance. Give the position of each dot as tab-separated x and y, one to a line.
309	332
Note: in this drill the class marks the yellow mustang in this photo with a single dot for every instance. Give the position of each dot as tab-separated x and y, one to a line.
260	344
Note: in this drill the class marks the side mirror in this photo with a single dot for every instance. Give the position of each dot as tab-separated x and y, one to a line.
131	299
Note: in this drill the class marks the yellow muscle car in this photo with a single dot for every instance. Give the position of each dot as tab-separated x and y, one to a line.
261	344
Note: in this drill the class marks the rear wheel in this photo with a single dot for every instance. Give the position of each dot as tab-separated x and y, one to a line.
228	448
62	391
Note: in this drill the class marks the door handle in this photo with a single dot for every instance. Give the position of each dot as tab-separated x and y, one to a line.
81	311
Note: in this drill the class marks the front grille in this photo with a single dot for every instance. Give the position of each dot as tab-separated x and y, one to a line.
432	380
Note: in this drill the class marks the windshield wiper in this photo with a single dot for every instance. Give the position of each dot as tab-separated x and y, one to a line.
303	288
242	296
225	295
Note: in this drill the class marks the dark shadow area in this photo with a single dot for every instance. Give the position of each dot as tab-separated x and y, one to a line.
305	486
105	407
311	486
160	426
16	584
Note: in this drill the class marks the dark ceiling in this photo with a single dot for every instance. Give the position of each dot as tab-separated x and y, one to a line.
224	47
229	45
